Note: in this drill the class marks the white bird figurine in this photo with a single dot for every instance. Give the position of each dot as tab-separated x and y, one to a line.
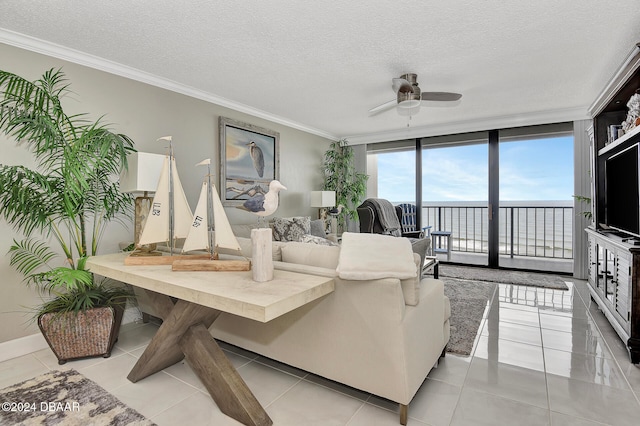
264	205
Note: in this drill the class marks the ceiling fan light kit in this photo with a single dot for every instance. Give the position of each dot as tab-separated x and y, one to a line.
409	96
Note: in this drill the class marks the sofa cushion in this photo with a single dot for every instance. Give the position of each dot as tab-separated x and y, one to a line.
291	228
373	256
276	248
311	254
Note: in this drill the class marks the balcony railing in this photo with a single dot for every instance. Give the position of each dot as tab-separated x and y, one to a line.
536	231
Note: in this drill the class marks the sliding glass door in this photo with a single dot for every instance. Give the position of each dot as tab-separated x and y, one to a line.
505	196
454	196
536	200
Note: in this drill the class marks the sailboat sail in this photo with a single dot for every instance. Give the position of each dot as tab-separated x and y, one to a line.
181	210
156	227
224	234
198	237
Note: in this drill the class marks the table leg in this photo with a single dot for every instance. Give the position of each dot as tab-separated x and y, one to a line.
163	350
228	389
161	303
184	333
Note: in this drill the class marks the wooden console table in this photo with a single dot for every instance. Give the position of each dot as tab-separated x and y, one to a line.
201	297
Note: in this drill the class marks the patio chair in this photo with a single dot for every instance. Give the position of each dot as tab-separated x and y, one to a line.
409	220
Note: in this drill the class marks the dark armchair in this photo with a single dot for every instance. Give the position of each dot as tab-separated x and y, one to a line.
370	215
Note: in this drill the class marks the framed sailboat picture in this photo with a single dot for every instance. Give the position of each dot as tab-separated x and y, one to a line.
249	159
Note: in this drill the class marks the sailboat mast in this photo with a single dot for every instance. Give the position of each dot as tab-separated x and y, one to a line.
171	201
210	219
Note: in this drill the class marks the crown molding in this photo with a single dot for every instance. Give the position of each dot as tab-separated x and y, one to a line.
85	59
621	76
481	124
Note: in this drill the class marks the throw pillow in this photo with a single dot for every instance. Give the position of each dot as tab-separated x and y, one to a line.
317	228
317	240
291	228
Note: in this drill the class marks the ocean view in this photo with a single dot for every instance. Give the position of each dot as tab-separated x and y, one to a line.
527	228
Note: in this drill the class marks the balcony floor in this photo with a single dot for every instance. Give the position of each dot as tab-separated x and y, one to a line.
542	264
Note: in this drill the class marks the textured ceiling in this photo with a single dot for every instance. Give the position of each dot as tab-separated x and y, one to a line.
320	66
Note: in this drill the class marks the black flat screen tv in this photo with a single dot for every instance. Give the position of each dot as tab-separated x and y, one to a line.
622	201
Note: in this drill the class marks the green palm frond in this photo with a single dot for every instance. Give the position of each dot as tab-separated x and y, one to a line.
72	195
76	301
29	200
69	279
32	111
29	255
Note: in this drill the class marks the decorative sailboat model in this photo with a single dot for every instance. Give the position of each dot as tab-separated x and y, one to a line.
170	215
210	230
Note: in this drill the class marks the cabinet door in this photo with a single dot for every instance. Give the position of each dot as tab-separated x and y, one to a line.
592	272
610	275
623	287
601	268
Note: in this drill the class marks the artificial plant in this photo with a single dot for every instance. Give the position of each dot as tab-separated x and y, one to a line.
341	176
68	198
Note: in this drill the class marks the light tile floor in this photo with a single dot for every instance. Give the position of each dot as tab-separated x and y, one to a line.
541	357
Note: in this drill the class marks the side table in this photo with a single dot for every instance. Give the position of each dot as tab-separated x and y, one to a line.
431	263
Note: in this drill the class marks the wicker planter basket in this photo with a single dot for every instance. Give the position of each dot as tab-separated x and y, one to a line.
86	334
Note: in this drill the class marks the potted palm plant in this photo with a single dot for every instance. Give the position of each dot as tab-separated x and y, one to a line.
62	207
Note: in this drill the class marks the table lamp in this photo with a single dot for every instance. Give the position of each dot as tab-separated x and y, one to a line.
323	200
142	177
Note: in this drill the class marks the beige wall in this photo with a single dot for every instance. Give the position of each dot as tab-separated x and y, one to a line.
145	113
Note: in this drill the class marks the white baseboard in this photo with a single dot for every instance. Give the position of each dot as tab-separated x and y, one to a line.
22	346
36	342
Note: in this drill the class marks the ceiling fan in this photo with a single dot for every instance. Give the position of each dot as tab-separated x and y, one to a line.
409	96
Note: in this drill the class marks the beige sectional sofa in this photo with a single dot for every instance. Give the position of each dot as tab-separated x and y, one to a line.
381	336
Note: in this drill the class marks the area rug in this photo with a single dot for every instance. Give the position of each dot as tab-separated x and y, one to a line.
64	398
468	299
531	279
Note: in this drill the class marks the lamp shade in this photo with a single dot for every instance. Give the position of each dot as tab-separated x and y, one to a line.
143	173
323	198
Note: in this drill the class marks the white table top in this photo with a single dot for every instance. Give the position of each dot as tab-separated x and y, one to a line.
232	292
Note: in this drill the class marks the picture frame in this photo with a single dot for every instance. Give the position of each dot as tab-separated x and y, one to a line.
246	169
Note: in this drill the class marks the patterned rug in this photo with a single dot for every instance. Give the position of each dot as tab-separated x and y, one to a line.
468	299
531	279
64	398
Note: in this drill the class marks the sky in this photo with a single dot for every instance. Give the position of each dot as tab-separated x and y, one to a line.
538	169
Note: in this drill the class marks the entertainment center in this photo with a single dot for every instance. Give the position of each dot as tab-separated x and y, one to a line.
614	238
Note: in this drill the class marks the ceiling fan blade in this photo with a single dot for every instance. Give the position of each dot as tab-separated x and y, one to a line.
400	84
440	96
385	106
